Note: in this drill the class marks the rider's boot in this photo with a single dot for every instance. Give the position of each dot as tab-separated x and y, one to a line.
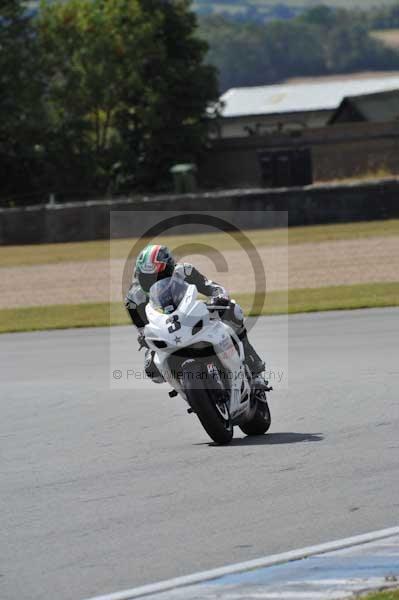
151	369
252	358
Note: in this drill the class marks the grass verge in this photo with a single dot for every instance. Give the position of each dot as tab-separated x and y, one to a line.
387	595
297	301
13	256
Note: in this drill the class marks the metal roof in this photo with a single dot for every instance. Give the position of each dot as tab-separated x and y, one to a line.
378	107
300	97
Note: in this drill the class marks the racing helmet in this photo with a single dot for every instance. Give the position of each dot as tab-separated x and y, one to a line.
154	263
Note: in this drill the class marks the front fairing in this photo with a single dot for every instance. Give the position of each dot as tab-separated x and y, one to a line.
175	329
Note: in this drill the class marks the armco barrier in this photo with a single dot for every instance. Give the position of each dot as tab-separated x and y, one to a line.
311	205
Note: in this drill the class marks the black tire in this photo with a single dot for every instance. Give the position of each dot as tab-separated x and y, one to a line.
261	421
203	396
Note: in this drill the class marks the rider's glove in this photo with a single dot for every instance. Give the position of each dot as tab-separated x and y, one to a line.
220	300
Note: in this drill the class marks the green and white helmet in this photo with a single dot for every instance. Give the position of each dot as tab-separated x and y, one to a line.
154	263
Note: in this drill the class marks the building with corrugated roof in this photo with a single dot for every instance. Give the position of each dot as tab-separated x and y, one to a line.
259	111
373	108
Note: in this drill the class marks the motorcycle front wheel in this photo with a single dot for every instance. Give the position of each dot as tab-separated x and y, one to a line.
206	399
261	421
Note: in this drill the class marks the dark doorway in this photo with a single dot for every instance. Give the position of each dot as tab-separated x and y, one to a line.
286	167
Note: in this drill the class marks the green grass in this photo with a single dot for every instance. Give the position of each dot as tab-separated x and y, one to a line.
350	297
388	595
63	316
297	301
13	256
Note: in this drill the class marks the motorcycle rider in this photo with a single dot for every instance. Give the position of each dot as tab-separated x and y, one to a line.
156	262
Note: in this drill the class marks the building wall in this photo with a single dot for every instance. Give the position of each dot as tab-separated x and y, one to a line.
356	159
339	151
267	124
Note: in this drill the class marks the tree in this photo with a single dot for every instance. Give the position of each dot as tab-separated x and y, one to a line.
253	54
320	41
181	87
20	89
321	16
295	48
349	47
127	90
238	51
93	54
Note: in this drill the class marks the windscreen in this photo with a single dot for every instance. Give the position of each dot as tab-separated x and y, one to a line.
166	294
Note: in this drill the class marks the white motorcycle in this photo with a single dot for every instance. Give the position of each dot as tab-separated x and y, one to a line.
202	358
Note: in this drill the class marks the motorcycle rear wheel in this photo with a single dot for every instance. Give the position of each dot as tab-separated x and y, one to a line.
206	400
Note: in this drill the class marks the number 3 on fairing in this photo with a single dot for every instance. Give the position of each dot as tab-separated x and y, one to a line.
175	324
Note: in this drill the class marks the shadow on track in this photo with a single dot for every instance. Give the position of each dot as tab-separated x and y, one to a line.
271	438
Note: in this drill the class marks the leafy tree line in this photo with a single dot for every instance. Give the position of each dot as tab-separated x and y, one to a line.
99	96
383	17
321	41
103	96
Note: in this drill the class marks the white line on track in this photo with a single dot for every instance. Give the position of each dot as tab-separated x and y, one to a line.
336	595
353	582
267	561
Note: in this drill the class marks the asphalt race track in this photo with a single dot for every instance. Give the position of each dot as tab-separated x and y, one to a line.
104	490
